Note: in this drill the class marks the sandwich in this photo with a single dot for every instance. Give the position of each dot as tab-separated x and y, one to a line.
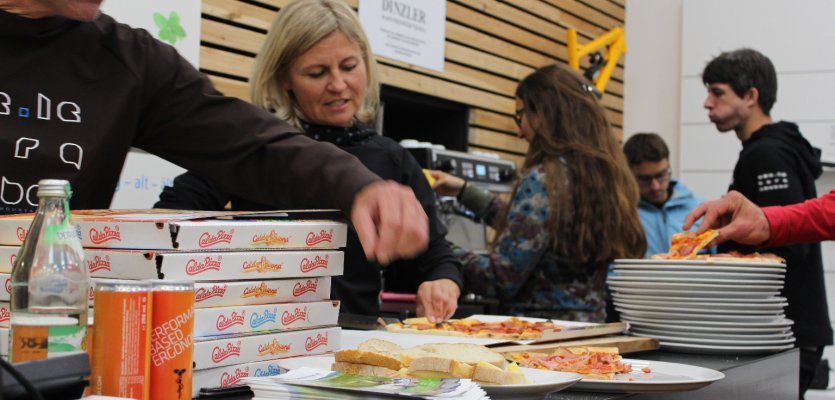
435	360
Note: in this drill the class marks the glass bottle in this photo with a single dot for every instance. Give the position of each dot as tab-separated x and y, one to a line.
49	282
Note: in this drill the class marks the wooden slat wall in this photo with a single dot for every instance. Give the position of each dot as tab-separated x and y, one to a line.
490	46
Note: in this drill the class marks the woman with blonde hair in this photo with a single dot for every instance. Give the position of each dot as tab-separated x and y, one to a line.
316	70
573	210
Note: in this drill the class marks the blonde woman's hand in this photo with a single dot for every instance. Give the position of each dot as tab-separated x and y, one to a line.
437	300
446	184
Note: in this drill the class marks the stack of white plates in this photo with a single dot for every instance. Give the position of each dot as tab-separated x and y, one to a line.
722	307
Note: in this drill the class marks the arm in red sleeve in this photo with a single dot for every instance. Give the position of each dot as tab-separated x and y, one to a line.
807	222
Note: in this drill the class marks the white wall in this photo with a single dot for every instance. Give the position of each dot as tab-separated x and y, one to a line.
678	37
653	71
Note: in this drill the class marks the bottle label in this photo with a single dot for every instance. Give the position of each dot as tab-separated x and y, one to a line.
64	234
38	342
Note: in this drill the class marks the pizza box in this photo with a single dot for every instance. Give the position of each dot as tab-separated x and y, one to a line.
4	342
203	265
242	293
239	349
266	317
6	295
231	375
4	314
194	230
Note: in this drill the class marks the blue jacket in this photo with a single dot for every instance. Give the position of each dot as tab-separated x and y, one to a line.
661	223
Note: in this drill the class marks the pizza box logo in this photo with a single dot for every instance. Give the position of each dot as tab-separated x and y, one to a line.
221	353
259	291
272	348
308	265
205	294
269	239
300	289
313	342
4	314
227	379
98	263
224	322
209	240
270	370
256	320
261	265
196	267
297	315
21	233
105	235
322	237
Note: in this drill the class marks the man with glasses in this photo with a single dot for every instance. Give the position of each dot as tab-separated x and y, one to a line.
665	201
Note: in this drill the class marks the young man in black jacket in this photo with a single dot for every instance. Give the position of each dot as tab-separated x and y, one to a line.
776	166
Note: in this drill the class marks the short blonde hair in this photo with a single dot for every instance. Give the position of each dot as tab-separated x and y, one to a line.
298	27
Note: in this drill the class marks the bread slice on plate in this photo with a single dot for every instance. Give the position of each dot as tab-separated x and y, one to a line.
439	367
462	352
489	373
373	352
364	369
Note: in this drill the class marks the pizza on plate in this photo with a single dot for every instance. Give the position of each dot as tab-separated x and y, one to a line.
512	328
591	362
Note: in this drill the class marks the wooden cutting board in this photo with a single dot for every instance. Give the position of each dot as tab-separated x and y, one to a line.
625	344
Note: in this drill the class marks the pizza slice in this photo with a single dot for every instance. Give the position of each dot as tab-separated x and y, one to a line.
512	328
686	245
591	362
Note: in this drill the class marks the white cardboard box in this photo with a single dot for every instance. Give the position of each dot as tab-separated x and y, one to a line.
242	293
240	349
192	230
202	266
231	375
4	314
5	295
268	317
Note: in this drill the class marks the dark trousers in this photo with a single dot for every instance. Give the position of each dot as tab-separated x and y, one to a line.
810	357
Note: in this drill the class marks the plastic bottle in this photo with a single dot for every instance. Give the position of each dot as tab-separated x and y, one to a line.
49	282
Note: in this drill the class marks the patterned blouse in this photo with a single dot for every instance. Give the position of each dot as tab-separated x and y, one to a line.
522	270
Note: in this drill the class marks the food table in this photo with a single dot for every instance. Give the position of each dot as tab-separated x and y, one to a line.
760	377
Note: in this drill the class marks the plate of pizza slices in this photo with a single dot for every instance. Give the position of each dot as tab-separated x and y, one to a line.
522	330
653	376
603	369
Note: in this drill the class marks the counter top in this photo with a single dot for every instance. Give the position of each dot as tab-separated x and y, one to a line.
750	377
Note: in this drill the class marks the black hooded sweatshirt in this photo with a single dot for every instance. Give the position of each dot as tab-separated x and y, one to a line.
777	166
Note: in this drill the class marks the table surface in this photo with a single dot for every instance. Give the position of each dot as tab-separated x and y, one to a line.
754	377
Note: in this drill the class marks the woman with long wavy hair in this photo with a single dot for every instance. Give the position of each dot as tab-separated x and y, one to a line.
573	210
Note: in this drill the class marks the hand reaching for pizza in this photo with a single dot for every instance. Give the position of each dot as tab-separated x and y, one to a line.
437	300
740	219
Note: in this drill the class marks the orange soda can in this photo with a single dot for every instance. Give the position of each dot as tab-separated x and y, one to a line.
172	340
121	351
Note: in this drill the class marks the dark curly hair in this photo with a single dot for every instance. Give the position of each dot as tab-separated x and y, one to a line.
744	69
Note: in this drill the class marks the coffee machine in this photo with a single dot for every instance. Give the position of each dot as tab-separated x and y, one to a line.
485	171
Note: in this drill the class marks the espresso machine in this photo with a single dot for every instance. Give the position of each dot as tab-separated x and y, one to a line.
489	173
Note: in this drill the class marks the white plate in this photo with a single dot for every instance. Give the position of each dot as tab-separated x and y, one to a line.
719	342
666	299
539	381
702	335
700	268
712	305
663	377
688	263
729	285
735	329
681	282
700	309
714	349
627	314
695	274
780	323
759	294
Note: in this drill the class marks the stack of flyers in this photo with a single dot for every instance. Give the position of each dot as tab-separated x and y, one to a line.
312	383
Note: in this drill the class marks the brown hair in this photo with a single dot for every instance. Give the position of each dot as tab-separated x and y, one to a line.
642	147
592	193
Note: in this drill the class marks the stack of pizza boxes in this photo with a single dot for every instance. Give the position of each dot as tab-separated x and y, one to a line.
262	281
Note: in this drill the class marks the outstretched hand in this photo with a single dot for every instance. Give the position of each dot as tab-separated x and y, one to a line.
437	300
446	184
390	222
740	220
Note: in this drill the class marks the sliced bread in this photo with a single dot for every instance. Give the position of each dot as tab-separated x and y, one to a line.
462	352
364	369
374	352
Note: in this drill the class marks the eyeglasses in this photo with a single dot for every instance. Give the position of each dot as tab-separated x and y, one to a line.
661	177
517	117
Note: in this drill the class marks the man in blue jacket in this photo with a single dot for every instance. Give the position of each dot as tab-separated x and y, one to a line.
665	201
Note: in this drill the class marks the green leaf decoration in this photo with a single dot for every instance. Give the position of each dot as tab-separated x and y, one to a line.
170	29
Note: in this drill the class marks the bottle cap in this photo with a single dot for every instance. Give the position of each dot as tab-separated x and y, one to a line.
54	187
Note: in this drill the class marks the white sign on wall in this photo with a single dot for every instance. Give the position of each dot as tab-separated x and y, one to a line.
177	23
411	31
